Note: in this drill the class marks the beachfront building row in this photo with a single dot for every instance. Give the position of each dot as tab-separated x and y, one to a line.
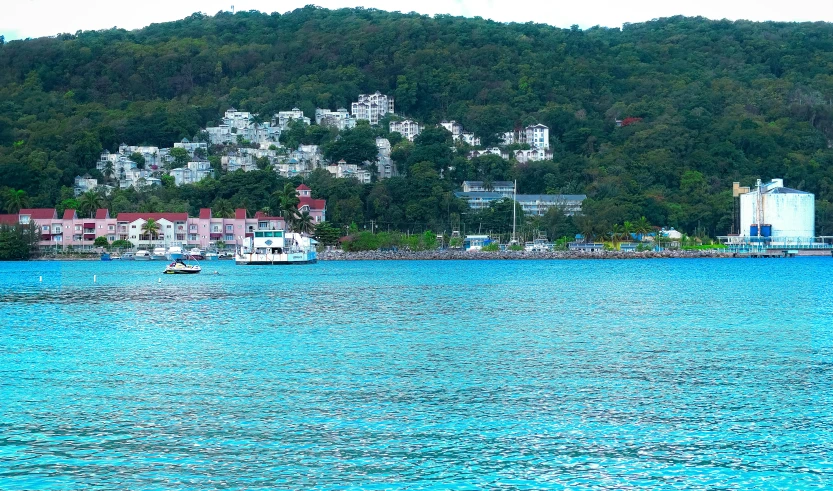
480	195
203	231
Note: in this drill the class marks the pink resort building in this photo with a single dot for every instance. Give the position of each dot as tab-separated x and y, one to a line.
203	231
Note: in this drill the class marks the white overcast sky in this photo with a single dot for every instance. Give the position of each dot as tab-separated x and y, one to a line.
34	18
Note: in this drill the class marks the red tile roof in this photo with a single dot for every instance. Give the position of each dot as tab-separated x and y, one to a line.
171	217
205	213
39	213
240	213
9	219
102	213
303	187
314	204
69	214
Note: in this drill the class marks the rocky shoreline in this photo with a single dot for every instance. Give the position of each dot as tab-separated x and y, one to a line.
510	255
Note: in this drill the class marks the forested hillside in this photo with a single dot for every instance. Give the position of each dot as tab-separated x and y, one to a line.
719	102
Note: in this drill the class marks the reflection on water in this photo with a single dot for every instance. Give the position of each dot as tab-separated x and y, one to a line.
380	375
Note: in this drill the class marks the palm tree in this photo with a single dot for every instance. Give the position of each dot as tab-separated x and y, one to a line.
642	227
150	228
616	235
89	202
222	209
303	223
289	197
108	170
16	200
488	185
627	230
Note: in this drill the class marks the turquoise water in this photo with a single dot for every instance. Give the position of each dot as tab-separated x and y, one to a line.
660	374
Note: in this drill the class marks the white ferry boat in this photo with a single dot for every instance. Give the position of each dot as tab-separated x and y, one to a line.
276	247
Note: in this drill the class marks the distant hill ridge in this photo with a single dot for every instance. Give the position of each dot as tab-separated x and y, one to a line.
719	101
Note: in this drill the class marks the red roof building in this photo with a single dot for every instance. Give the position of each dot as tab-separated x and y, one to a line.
40	213
9	219
171	217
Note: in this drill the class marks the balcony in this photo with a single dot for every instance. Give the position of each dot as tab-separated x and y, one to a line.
46	236
216	236
90	225
89	236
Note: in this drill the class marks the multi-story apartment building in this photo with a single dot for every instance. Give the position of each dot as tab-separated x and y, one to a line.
192	147
238	161
193	172
339	119
203	231
343	170
372	107
408	128
537	136
283	118
458	134
532	204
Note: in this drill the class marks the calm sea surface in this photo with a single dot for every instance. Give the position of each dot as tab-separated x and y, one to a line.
660	374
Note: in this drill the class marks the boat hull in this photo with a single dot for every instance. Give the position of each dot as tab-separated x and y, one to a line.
142	258
298	258
182	271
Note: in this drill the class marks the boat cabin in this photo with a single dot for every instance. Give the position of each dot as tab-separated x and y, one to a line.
265	242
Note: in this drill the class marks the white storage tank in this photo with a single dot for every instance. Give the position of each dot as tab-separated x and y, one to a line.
772	210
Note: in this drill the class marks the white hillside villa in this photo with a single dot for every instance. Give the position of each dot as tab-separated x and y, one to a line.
372	107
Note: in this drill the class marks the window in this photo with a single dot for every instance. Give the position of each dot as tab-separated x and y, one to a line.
58	238
24	219
111	238
111	228
46	229
229	237
78	228
133	226
230	228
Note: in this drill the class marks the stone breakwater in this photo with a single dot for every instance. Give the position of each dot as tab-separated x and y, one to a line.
463	255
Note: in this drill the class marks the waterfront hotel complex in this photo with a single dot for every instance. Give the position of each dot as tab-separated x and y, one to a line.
203	231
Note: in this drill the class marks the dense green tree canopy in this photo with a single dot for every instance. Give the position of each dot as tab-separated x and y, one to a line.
701	103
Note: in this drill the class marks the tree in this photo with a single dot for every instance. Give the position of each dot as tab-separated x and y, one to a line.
642	227
304	223
180	156
221	208
89	202
326	234
122	244
151	229
289	202
221	245
101	241
108	170
139	159
354	146
16	199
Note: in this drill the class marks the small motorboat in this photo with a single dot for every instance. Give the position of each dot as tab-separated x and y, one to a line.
195	253
105	256
142	256
179	267
211	256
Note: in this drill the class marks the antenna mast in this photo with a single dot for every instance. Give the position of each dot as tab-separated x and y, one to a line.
514	210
